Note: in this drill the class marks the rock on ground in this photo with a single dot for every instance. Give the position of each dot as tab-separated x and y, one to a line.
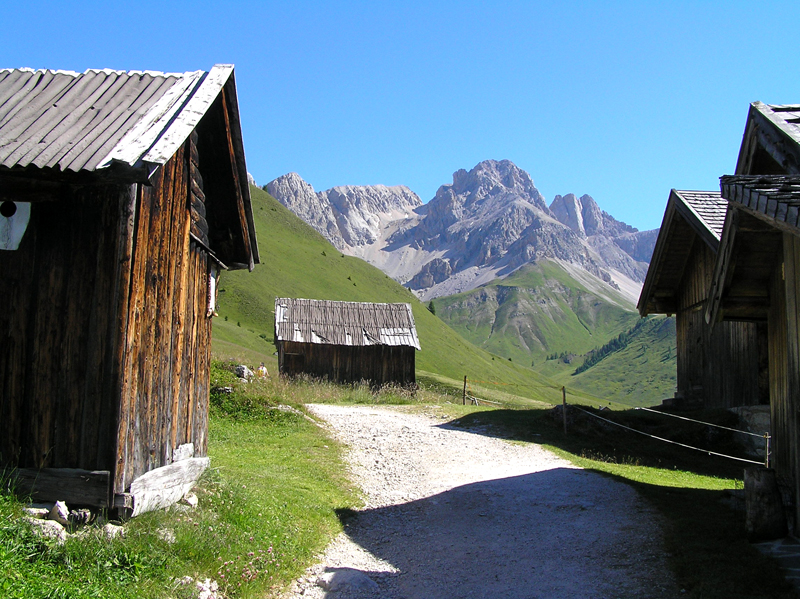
460	513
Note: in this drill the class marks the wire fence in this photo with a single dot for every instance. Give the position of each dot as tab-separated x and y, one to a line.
727	428
468	396
706	451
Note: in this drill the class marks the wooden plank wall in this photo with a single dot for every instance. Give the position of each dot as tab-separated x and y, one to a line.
718	367
785	303
380	364
165	367
57	356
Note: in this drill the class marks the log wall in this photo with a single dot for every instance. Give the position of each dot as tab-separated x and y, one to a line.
718	367
379	364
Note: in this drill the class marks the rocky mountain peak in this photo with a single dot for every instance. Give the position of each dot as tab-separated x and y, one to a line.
569	211
487	223
348	215
592	215
290	185
493	178
373	198
584	216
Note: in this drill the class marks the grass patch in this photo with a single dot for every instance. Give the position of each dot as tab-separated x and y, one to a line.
269	503
267	507
704	536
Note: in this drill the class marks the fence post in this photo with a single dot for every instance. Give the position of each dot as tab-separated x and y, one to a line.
766	450
464	394
564	407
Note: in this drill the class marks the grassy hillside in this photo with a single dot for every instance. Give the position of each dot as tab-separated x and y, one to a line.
642	373
537	311
541	312
298	262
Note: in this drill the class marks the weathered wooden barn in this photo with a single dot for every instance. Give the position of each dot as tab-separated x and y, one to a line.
346	342
757	277
757	272
122	197
716	367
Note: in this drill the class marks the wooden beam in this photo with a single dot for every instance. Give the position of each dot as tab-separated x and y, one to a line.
240	204
71	485
162	487
19	189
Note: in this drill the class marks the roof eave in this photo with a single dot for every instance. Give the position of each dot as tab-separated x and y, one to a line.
241	165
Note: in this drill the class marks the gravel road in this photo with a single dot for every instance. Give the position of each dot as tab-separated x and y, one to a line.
454	512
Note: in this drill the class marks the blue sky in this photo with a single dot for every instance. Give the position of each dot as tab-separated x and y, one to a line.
620	100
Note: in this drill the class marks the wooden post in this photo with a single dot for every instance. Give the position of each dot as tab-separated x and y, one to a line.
767	449
765	518
564	407
464	394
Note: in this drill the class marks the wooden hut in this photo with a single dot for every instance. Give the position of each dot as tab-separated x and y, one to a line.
122	197
346	342
757	272
757	277
771	142
715	368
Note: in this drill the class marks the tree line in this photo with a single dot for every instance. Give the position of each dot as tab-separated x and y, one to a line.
621	341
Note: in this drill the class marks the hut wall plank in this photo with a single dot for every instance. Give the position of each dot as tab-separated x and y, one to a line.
377	364
778	376
167	378
718	366
57	358
791	272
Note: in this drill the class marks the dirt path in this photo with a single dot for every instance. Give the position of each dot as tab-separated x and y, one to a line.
459	513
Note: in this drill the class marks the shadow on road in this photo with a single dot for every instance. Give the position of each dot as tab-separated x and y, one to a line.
557	533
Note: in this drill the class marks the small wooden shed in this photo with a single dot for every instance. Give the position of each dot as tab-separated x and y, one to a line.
757	271
715	368
122	197
757	277
346	342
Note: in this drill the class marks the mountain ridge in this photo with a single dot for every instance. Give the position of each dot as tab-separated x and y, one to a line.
484	225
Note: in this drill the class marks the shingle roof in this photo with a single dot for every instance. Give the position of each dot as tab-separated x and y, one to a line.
771	141
87	121
344	323
709	207
776	197
689	214
786	117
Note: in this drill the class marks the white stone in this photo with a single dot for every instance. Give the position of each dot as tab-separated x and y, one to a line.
243	372
183	452
36	512
60	513
112	531
48	529
208	589
338	579
166	535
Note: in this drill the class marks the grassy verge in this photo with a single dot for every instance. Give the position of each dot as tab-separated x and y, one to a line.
268	504
266	507
704	534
